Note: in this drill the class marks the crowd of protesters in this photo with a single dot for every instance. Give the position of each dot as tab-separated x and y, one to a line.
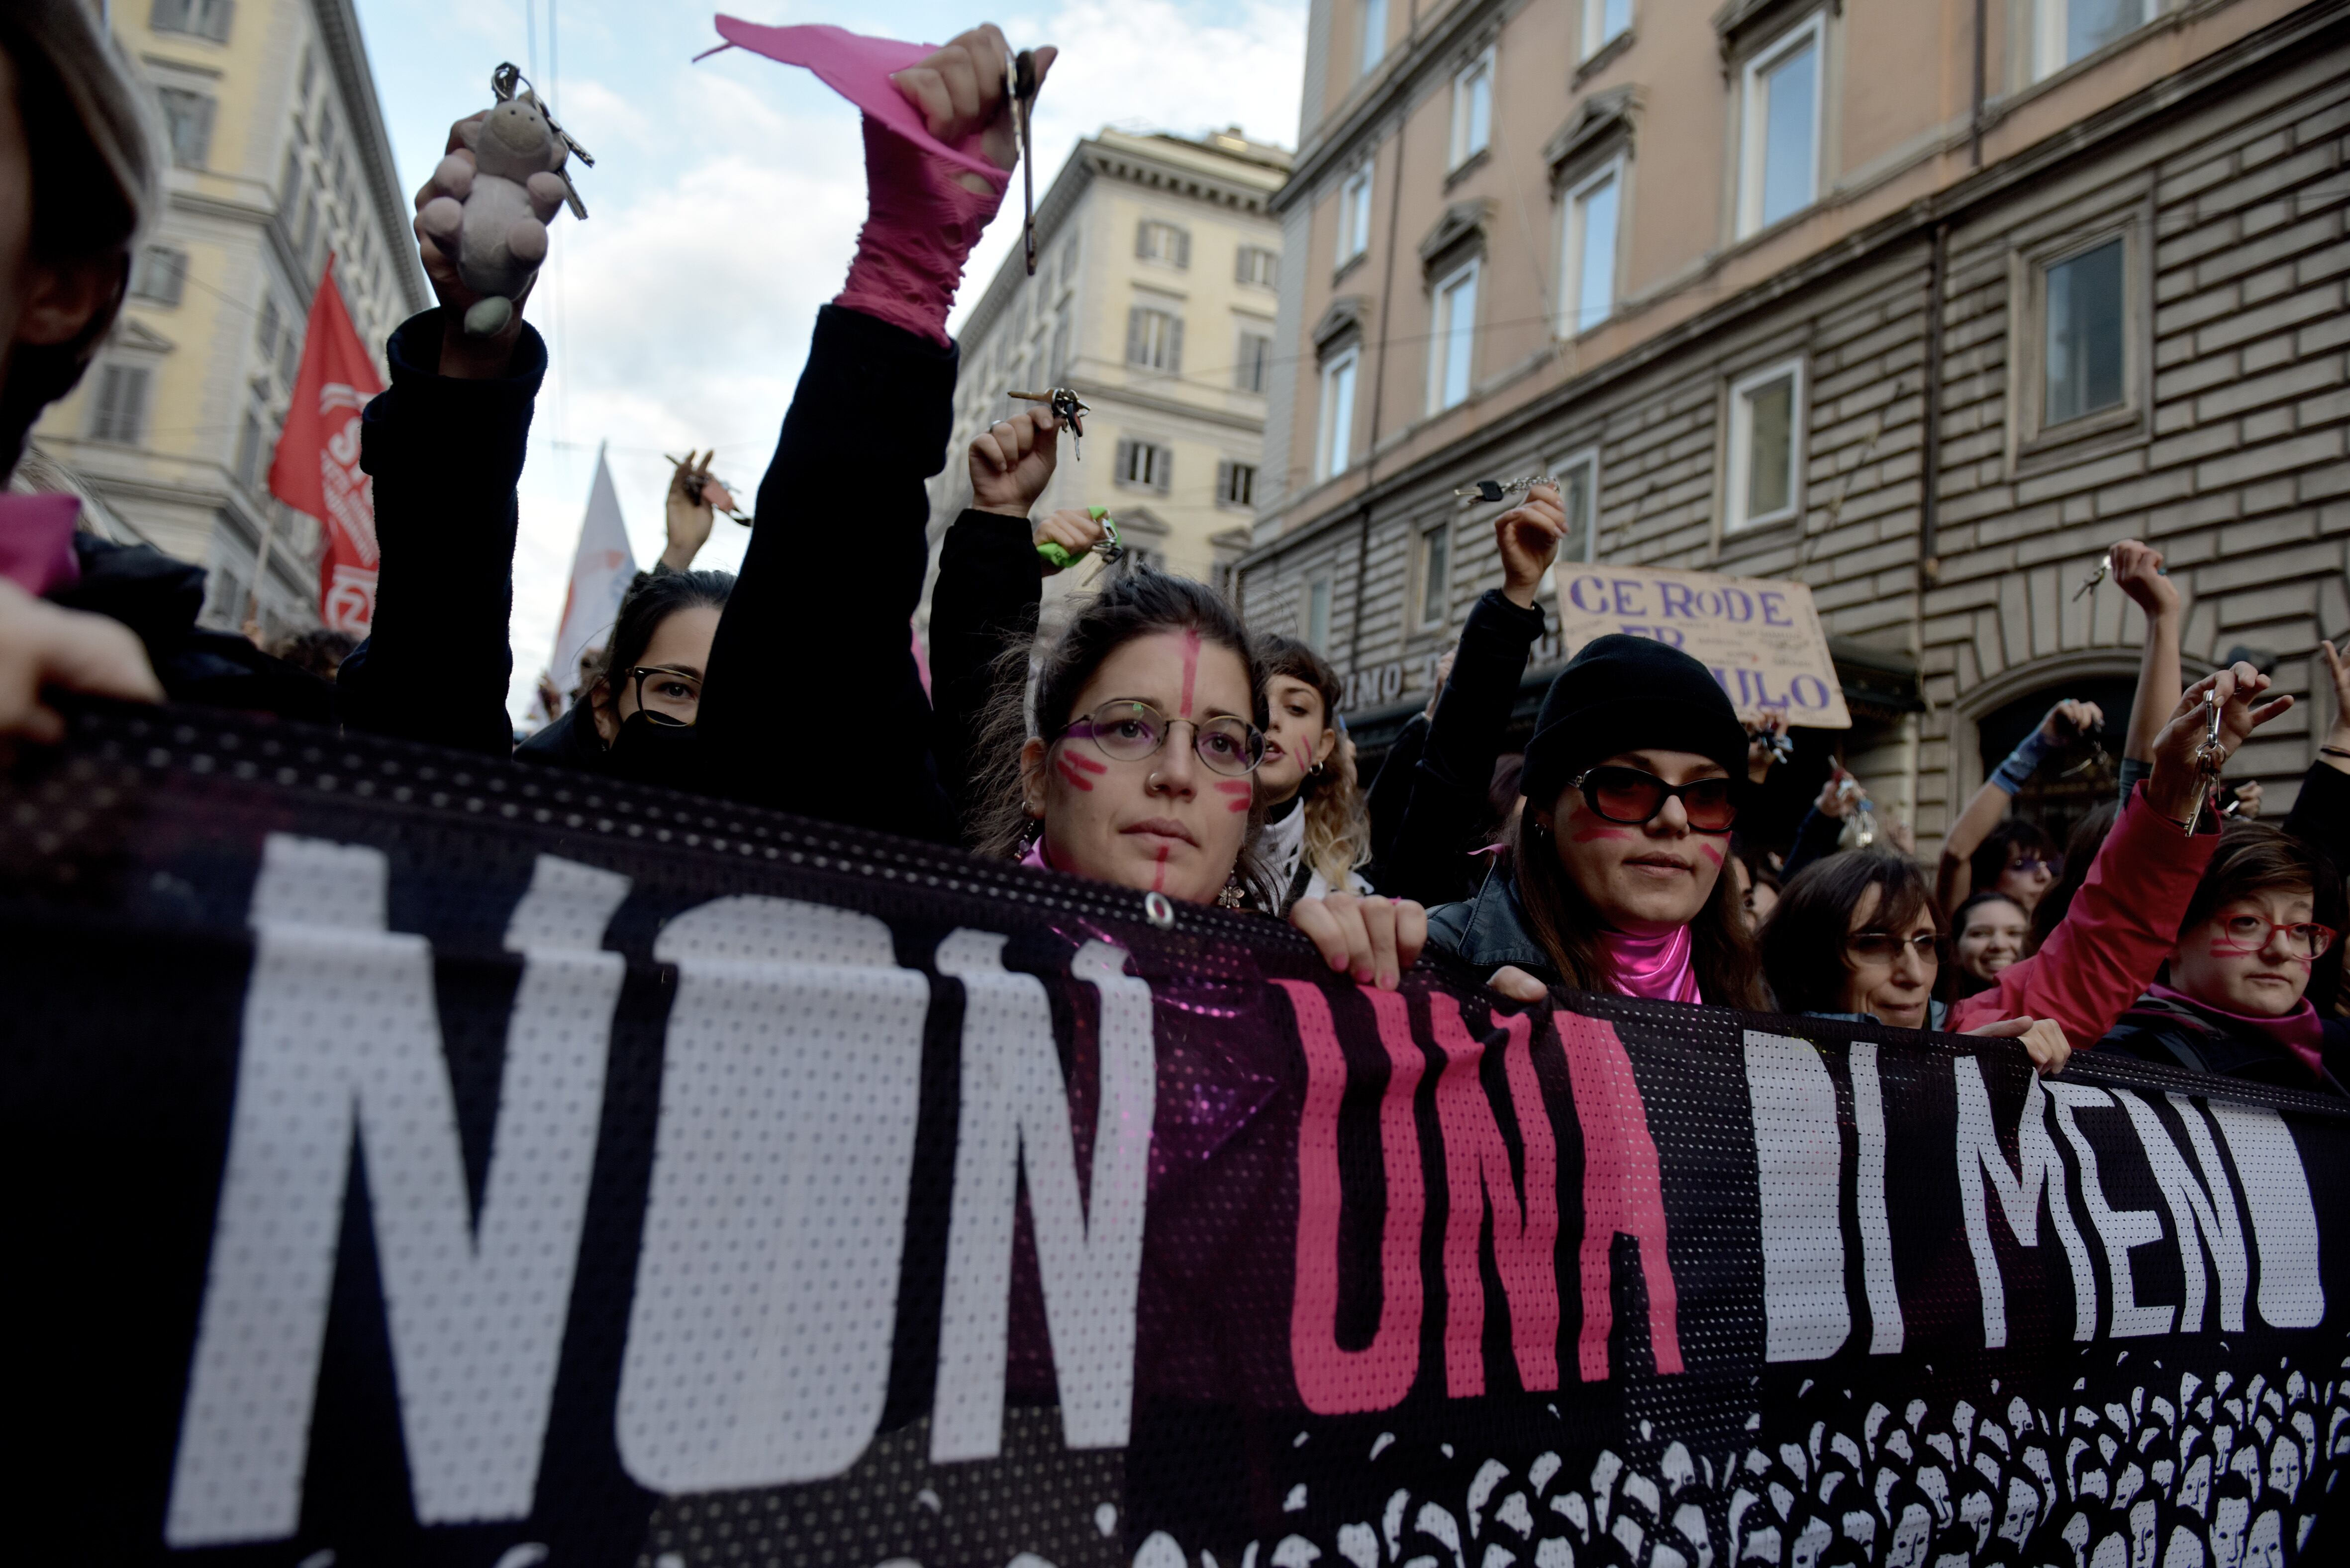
1154	740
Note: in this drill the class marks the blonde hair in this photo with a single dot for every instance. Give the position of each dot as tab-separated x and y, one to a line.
1337	819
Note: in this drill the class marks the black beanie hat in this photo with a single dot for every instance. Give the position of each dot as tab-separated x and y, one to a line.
1626	693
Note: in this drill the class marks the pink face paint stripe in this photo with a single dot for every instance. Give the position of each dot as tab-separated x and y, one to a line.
1241	792
1191	667
1623	1193
1709	852
1330	1379
1085	761
1075	778
1158	877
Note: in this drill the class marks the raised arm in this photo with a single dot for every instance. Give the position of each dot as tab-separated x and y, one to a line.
1448	797
2138	569
814	702
1986	807
2123	921
445	446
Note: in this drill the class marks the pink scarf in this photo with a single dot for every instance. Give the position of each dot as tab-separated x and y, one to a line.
1655	967
2298	1032
37	534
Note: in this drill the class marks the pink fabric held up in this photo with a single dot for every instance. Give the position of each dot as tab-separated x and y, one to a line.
921	221
1525	1234
1623	1193
36	549
1333	1381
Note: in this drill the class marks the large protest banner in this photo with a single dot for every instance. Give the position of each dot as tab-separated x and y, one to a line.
416	1160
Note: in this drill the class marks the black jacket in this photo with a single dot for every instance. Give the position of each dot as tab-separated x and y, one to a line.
1446	811
2321	818
446	456
814	704
1490	929
2180	1034
159	597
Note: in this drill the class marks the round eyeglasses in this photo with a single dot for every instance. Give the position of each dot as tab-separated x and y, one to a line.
1126	731
1631	799
667	694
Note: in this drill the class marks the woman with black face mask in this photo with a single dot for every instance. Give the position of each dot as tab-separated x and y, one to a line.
634	718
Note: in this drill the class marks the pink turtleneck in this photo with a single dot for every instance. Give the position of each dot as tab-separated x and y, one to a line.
2298	1032
1656	967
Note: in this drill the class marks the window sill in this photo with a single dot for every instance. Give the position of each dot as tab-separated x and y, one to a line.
2077	441
1468	166
1757	538
1349	264
1607	55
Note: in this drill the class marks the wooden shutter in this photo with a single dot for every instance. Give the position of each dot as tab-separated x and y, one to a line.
1174	345
1124	471
1182	247
1162	468
1134	343
1142	240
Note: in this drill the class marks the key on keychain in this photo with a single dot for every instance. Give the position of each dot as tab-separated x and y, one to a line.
2089	584
1069	409
508	82
2208	761
1111	548
1497	490
1020	86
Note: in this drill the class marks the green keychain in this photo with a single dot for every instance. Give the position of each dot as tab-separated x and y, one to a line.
1109	549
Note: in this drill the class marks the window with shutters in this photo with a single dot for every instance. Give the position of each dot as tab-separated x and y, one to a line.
1154	340
1354	215
200	18
1159	241
1235	484
118	412
1144	465
161	274
1256	354
1257	265
1473	108
188	117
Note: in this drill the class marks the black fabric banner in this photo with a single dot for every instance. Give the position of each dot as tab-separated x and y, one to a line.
420	1160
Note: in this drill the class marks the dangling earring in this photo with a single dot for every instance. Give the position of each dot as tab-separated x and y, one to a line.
1233	897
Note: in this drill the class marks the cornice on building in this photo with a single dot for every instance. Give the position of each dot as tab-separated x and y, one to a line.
1390	93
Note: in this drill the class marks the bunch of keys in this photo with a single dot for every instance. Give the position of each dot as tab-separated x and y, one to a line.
1781	745
1498	490
507	83
1860	827
698	479
1110	548
2208	758
1020	88
1069	411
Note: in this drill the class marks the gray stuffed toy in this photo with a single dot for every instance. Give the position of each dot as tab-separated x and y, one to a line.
493	218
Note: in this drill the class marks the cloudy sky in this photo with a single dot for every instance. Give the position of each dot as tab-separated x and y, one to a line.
726	200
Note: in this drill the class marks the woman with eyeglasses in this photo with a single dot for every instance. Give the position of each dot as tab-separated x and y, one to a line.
1856	936
2233	997
634	718
1139	766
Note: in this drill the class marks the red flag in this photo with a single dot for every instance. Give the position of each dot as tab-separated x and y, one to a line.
316	469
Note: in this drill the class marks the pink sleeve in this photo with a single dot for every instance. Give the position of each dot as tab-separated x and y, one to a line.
2123	924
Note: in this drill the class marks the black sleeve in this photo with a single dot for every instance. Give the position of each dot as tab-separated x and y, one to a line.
1448	805
813	702
988	590
1390	789
2321	818
1815	839
446	456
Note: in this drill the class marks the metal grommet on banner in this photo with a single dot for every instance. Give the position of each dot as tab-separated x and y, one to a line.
1160	911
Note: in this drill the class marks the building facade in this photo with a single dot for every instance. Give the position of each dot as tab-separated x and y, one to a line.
1924	304
278	157
1158	261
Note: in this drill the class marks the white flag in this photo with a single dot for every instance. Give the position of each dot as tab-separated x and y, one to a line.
600	574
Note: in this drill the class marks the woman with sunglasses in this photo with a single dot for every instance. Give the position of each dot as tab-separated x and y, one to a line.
2233	997
1856	936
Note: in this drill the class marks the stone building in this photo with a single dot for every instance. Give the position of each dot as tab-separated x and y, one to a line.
277	155
1157	259
1923	304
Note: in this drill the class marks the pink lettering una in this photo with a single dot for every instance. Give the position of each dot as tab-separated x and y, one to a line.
1239	793
1331	1380
1190	667
1623	1193
1477	1168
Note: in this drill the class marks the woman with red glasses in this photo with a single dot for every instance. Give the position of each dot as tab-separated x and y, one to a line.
1632	783
2233	998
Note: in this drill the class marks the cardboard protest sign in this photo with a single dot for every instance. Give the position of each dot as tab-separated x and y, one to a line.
1760	638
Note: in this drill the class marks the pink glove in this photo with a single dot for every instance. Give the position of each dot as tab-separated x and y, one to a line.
920	226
